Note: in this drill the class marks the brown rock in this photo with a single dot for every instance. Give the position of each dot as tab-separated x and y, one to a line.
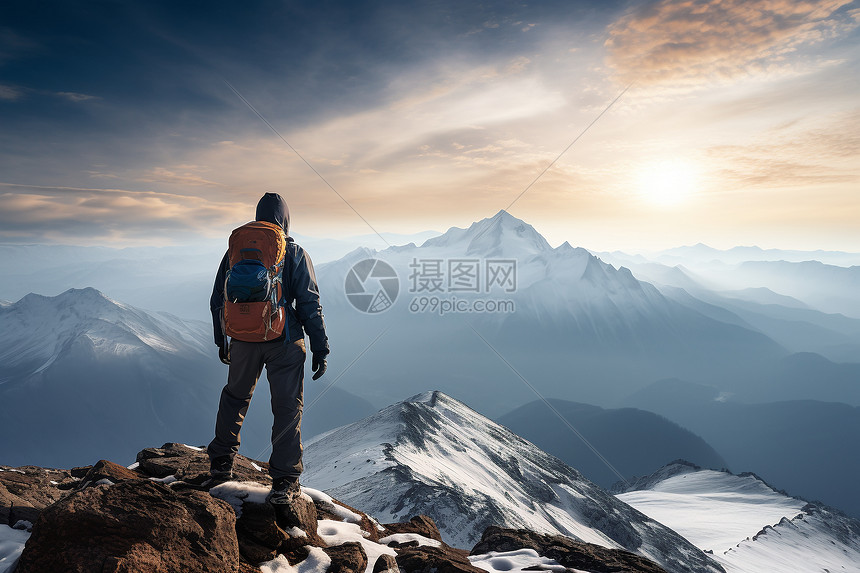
80	472
572	554
420	524
301	514
105	470
258	531
258	524
385	564
253	552
185	462
297	518
443	559
133	526
25	491
347	558
172	460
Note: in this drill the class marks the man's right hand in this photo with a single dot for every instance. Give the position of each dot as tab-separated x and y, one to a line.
318	365
224	353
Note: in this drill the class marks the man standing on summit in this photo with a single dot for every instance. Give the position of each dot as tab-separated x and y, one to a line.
264	300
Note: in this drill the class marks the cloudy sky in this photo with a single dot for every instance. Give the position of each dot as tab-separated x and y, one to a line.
740	123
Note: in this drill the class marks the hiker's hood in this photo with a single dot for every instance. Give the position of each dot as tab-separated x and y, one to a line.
273	208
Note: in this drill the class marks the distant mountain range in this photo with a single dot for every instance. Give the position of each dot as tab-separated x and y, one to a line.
580	329
828	284
735	255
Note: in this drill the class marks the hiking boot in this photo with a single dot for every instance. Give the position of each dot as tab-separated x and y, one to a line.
284	491
221	468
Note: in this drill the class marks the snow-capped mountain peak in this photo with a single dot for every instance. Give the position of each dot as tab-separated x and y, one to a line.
501	235
433	455
37	329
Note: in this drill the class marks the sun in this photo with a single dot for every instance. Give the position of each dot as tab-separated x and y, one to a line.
667	183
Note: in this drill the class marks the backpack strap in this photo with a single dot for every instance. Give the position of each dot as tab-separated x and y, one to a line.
286	274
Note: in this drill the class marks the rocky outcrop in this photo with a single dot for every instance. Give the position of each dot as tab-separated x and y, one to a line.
386	564
421	549
136	525
184	463
106	472
165	515
26	491
264	531
428	559
420	524
571	554
347	558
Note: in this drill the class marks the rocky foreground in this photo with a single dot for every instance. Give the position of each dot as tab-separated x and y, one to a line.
157	517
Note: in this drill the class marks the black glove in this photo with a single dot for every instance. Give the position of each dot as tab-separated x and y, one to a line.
318	365
224	353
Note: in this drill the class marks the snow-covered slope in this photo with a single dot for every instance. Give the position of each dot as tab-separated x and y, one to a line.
748	526
433	455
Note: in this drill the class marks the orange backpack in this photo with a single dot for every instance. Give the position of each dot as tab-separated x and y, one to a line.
252	289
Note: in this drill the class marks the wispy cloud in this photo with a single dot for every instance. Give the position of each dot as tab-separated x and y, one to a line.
36	213
690	42
10	93
189	176
14	93
76	97
792	156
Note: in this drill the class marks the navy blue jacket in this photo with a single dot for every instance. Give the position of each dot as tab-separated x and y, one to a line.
301	296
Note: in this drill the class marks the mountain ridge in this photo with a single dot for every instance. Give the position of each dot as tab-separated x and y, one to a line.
433	455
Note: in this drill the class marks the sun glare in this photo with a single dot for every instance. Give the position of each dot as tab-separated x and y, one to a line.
667	183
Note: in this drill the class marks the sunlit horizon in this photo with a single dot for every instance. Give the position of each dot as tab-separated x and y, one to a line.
638	127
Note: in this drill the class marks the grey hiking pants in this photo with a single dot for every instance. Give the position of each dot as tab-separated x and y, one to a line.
285	369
